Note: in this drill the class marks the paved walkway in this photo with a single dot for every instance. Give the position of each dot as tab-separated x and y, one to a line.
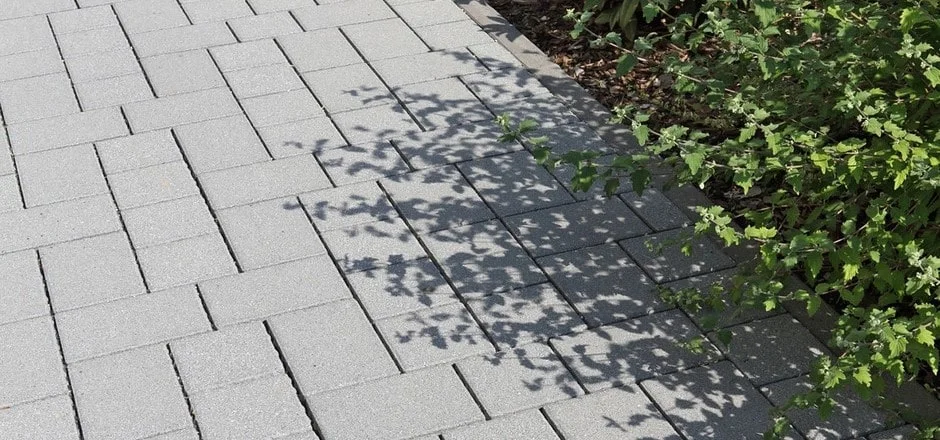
284	219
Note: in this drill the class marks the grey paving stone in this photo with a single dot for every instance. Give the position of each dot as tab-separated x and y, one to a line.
483	258
186	261
10	193
401	288
15	10
168	221
656	210
374	123
632	351
384	39
529	314
504	85
548	110
725	404
317	50
24	296
263	181
442	103
526	425
433	336
430	12
906	432
371	245
363	162
134	394
56	223
261	293
38	97
244	55
514	183
331	346
220	143
183	434
102	65
454	144
257	27
851	417
183	72
575	226
565	138
92	41
427	67
138	16
495	56
623	413
138	151
666	262
31	367
230	355
453	35
722	318
350	205
436	199
260	408
348	87
268	233
263	80
130	322
27	64
524	377
341	14
25	35
73	129
216	10
90	271
181	109
154	184
301	137
59	175
113	91
397	407
265	6
281	108
179	39
49	418
77	20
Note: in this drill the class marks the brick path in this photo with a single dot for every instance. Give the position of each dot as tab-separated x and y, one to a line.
283	219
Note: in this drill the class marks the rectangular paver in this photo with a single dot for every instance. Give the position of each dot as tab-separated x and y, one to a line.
154	184
529	314
182	72
456	144
249	54
373	123
349	12
401	288
138	151
72	129
78	20
230	355
58	222
260	408
186	261
104	39
29	64
168	221
436	199
281	108
263	80
443	103
256	27
428	66
25	35
350	205
181	109
216	10
384	39
37	97
49	418
433	336
102	65
525	425
24	296
268	233
514	183
362	162
623	413
372	245
660	255
317	50
31	367
348	87
308	136
139	16
263	181
59	175
179	39
220	143
851	416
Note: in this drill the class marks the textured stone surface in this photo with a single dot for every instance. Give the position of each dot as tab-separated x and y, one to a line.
269	233
372	245
433	336
436	199
31	367
623	413
532	313
24	296
233	354
527	425
514	183
259	408
666	263
851	416
401	288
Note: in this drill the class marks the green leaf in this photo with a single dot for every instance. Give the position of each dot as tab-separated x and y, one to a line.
862	375
814	261
650	11
640	179
933	75
925	336
766	12
626	63
694	159
642	134
760	232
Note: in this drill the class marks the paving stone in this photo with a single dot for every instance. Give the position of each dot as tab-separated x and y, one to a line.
548	110
138	16
77	20
455	144
268	233
380	122
181	109
427	67
504	85
134	394
183	72
90	271
73	129
281	108
349	87
436	199
453	35
37	97
265	6
401	288
567	176
260	408
263	80
350	205
633	350
442	103
317	50
59	175
49	418
723	318
656	210
371	245
185	261
114	91
230	355
363	162
713	401
851	417
301	137
623	413
341	14
571	137
14	10
183	434
180	39
168	221
102	65
92	41
433	336
903	433
25	35
30	368
495	56
220	143
10	193
23	296
514	183
396	407
331	346
257	27
261	293
58	222
130	322
245	55
158	183
138	151
384	39
526	425
671	263
483	258
430	12
263	181
28	64
529	314
216	10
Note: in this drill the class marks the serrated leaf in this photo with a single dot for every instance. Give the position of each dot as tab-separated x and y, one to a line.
814	261
626	63
812	304
642	134
933	75
639	179
862	375
925	336
650	11
760	232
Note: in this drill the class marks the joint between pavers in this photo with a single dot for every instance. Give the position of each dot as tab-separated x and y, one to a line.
466	385
205	308
68	75
240	107
19	181
551	423
293	380
179	379
140	65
